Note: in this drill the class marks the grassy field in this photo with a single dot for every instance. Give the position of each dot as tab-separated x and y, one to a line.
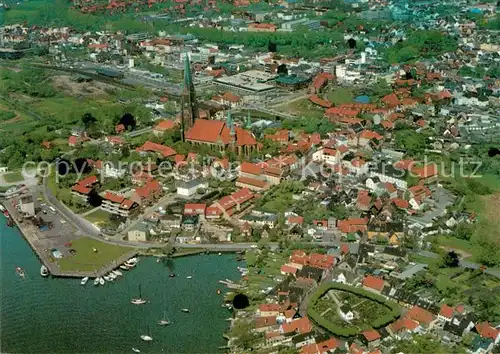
302	108
340	95
86	259
13	177
98	217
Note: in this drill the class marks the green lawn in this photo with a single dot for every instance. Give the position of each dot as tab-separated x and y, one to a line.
13	177
98	217
86	259
340	95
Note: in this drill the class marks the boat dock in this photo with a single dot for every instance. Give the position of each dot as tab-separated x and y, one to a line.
43	244
230	284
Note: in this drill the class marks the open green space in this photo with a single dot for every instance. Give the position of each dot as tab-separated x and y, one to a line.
85	259
98	217
13	177
339	95
302	107
370	310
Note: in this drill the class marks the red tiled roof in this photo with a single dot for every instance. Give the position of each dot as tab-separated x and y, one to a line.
404	164
252	182
342	111
401	203
371	335
127	204
250	168
352	225
326	346
166	151
446	311
269	307
148	189
81	189
300	325
280	136
115	198
296	220
368	134
319	101
486	331
88	181
404	323
287	269
390	100
420	315
344	248
165	125
228	96
390	187
72	140
267	321
364	198
427	171
194	208
373	282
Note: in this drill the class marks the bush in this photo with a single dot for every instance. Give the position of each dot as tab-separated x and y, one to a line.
344	331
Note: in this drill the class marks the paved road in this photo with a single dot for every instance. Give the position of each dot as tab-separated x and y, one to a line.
463	264
85	227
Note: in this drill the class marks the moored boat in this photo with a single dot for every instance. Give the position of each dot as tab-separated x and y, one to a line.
123	267
101	281
163	322
146	338
112	275
135	350
107	278
185	310
2	208
84	281
171	275
117	272
44	271
138	300
189	277
20	272
96	281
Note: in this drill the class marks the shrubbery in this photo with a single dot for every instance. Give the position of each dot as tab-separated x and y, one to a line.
345	331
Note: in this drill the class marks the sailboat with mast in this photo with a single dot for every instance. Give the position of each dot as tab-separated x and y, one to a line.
139	300
147	337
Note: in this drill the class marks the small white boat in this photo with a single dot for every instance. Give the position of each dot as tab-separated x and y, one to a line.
96	281
20	272
107	278
146	338
112	275
185	310
123	267
135	350
84	281
134	259
138	300
117	273
101	281
44	271
129	265
220	254
2	208
163	322
189	277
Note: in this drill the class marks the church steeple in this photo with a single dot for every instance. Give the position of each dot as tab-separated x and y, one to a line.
189	107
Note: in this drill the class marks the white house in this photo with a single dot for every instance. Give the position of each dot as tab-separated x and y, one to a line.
388	174
111	171
327	155
346	313
341	278
190	188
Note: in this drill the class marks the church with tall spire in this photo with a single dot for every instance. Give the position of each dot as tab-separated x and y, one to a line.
189	106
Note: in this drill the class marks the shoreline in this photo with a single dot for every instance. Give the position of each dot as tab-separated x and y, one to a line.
52	266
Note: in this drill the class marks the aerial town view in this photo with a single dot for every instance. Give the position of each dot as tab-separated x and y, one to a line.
236	176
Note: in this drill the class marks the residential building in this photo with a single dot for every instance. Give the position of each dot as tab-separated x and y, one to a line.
83	187
148	193
116	204
229	205
139	234
190	188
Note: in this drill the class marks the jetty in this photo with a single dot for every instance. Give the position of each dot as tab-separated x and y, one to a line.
42	245
230	284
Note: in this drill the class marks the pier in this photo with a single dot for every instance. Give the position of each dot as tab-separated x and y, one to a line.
42	245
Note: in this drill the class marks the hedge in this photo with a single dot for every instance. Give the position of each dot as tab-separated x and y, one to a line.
395	310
